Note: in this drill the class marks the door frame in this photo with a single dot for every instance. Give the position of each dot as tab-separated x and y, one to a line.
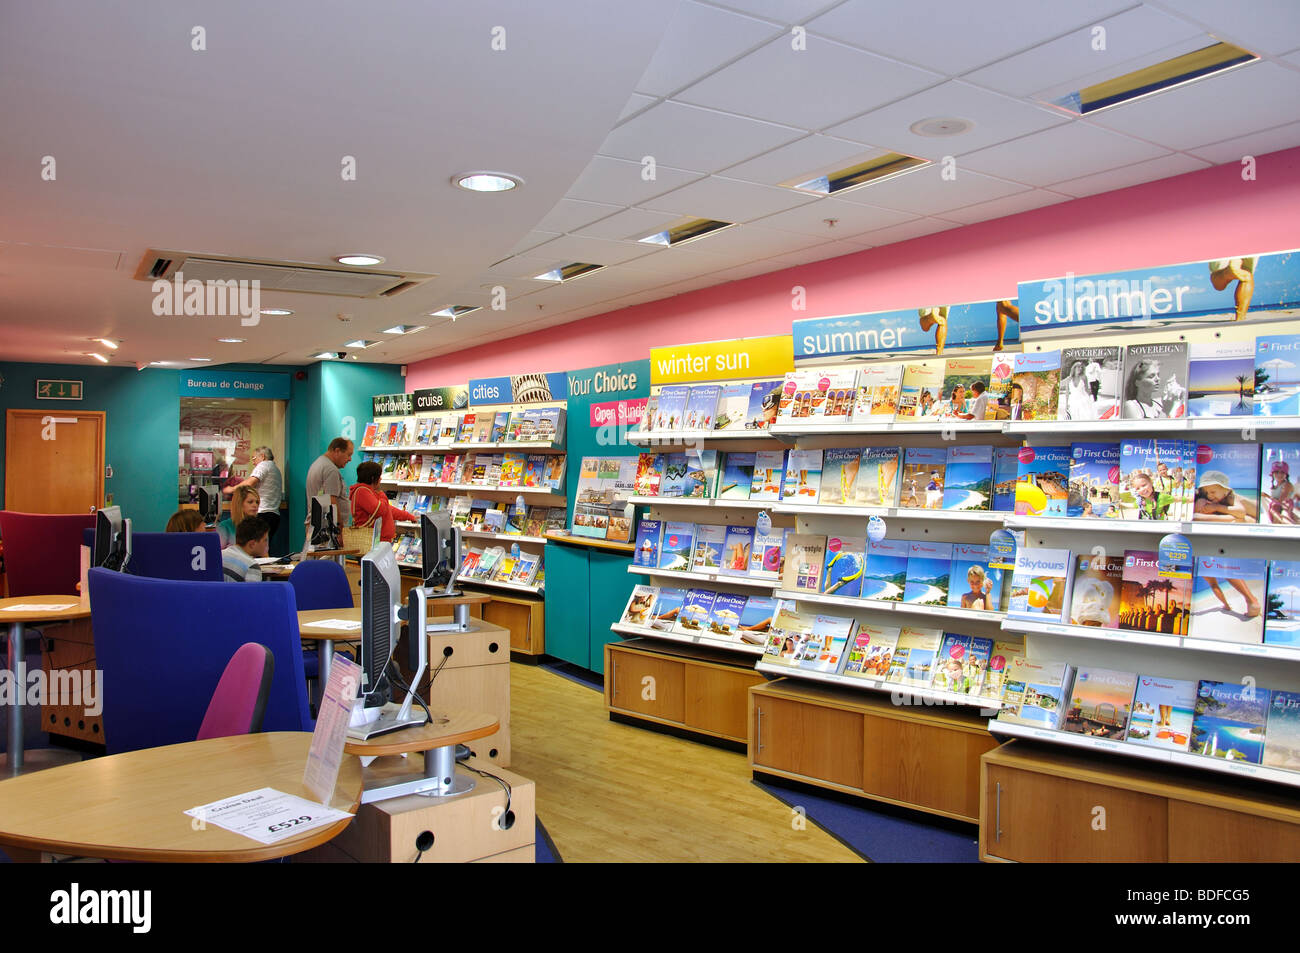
12	413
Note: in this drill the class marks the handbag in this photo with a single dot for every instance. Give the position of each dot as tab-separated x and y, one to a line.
365	536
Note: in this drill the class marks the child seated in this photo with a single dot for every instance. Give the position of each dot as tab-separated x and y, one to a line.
252	541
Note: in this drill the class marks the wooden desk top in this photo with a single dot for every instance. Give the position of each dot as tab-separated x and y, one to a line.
452	726
592	542
308	631
130	806
80	610
323	553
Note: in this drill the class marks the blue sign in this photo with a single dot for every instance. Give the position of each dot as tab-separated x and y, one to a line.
1232	287
1002	549
1174	557
930	330
234	384
875	529
519	389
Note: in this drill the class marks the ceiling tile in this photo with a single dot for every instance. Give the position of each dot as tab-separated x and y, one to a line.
1000	208
996	119
620	182
851	218
752	270
727	200
1062	152
630	224
785	12
674	264
688	137
532	240
596	251
957	37
635	103
1130	36
1263	26
1258	144
925	191
569	214
522	266
814	253
755	242
1135	174
698	40
906	232
801	160
1236	103
805	87
480	292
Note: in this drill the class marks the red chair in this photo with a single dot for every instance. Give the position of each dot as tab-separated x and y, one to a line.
239	702
43	551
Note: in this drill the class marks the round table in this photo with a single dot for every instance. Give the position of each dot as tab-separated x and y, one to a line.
438	740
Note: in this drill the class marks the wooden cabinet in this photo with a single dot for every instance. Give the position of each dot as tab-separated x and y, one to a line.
1040	803
524	617
700	690
916	756
70	647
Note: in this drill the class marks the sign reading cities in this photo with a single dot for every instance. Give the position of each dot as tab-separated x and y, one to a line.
59	390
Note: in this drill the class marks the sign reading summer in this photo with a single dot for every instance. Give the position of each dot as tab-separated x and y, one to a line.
234	384
441	398
1232	287
392	405
518	389
722	360
929	330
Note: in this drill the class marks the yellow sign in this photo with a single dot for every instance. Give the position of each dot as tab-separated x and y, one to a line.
722	360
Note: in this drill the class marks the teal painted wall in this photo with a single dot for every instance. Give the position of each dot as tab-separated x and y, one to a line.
345	405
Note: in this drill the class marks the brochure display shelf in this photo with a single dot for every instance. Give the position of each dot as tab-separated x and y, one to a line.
676	501
880	605
1290	653
1179	426
710	579
532	446
901	693
680	438
508	586
1156	527
530	494
891	512
730	645
504	537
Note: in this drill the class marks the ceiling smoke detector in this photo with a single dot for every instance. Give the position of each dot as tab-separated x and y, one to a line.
937	128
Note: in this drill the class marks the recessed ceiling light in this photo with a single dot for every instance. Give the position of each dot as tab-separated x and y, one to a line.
568	272
230	340
487	181
1215	58
326	356
275	312
160	363
405	328
99	357
864	173
687	231
359	260
454	311
941	126
201	360
107	342
361	343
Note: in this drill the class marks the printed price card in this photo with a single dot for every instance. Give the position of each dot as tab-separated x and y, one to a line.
266	815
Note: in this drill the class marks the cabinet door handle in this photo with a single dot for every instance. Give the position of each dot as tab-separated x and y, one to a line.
613	677
997	822
758	730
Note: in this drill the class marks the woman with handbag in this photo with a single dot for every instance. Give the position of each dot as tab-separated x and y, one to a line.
370	505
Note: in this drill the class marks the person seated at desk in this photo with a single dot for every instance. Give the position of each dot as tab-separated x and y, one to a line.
369	501
186	521
243	504
252	540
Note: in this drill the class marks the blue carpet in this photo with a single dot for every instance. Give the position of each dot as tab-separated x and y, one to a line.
544	847
575	673
881	834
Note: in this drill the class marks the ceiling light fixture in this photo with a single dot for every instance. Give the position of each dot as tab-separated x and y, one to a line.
1137	84
361	343
405	328
864	173
275	312
568	272
359	260
107	342
688	231
201	360
99	357
230	340
487	181
160	363
454	311
326	356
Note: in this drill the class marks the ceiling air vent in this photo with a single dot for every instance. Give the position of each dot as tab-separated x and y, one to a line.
278	275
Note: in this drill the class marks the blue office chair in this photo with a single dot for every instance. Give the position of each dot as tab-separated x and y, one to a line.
319	584
190	557
163	645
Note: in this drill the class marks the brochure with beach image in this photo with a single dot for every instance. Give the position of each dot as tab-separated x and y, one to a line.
1100	703
677	547
649	473
668	605
1221	378
840	468
1097	583
756	619
1094	481
709	540
1282	613
879	386
921	386
1277	375
803	475
1001	375
695	612
968	477
673	483
1228	721
737	476
1043	481
878	477
1036	380
1040	584
884	576
724	618
639	604
958	396
737	548
923	478
1278	495
1149	602
1227	483
839	390
701	477
769	472
1147	489
972	584
1090	383
962	664
871	652
805	554
670	410
824	649
1162	713
914	656
702	407
1228	599
790	632
844	562
733	403
765	557
1046	687
1004	654
928	569
764	398
1006	463
1282	732
1155	380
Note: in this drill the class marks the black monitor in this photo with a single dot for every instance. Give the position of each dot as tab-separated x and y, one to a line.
112	548
210	503
324	532
381	592
439	552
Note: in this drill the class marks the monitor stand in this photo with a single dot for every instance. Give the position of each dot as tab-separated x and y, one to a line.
391	718
460	619
439	779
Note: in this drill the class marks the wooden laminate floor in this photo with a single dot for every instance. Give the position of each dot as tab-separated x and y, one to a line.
613	793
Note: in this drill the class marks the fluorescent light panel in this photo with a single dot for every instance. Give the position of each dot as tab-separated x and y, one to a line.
570	271
1198	64
688	231
864	173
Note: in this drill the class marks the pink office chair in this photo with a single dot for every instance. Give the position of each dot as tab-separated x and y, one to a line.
239	701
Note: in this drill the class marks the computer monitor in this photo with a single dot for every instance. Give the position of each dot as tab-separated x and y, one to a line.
439	553
112	548
324	531
210	503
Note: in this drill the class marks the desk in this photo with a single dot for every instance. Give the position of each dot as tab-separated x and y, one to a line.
327	637
338	555
17	761
130	806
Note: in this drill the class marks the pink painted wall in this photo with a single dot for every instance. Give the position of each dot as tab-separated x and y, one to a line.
1193	217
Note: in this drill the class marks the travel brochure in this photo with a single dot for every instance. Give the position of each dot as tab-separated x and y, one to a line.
510	469
540	424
